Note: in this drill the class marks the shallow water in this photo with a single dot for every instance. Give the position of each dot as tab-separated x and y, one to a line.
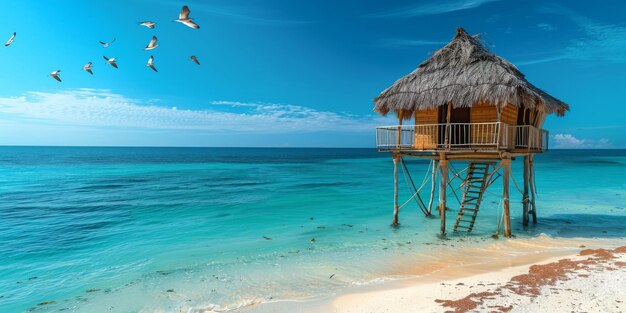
141	229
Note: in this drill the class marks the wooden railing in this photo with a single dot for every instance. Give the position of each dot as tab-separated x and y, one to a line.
459	136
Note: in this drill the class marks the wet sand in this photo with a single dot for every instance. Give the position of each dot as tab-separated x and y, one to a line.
589	281
540	274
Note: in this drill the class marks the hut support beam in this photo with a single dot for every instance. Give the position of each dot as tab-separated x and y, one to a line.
525	200
396	208
443	182
433	184
399	135
506	165
533	192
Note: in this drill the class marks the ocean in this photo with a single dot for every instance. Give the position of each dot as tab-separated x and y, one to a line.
103	229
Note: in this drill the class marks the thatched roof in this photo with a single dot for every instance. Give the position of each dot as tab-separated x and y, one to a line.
463	73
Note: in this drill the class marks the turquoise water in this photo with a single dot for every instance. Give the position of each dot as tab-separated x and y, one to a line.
143	229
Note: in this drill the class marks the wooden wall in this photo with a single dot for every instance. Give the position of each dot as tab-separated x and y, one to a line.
427	116
480	113
509	115
483	113
426	137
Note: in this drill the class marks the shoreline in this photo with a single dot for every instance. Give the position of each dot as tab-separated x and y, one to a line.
454	285
558	284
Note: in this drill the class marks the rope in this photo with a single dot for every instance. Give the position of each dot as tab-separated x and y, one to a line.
414	190
454	192
515	183
532	168
426	176
434	182
499	219
491	179
457	174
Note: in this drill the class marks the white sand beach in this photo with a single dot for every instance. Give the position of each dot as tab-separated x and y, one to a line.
589	281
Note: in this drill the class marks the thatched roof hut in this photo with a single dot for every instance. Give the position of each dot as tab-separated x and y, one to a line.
464	73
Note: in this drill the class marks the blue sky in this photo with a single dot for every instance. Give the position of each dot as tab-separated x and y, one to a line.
286	73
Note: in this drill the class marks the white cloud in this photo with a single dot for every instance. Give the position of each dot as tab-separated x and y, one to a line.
102	108
599	41
432	8
568	141
546	26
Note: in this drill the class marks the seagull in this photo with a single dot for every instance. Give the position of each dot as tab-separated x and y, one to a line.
194	59
55	75
152	44
147	24
106	44
87	68
10	40
111	61
183	17
151	63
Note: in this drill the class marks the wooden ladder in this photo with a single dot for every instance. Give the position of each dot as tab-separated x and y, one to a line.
475	182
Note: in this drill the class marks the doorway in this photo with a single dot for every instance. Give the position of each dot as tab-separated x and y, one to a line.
459	131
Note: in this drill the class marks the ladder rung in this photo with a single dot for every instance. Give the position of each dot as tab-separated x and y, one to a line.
461	226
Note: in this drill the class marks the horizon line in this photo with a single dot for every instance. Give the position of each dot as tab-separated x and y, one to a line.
239	147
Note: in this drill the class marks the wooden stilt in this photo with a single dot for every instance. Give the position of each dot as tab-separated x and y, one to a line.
396	209
531	171
506	165
399	134
433	183
525	201
443	182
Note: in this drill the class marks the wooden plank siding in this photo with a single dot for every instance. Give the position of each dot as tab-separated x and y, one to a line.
509	116
426	137
483	113
427	117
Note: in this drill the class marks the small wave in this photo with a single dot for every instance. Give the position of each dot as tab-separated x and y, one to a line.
380	280
216	308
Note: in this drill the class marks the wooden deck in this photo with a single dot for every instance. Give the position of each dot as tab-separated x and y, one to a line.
479	140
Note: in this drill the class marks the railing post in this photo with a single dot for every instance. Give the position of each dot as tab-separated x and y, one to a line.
497	135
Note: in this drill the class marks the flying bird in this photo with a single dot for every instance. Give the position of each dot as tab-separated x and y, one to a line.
106	44
194	59
10	40
111	61
87	68
147	24
153	44
55	75
184	18
151	63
